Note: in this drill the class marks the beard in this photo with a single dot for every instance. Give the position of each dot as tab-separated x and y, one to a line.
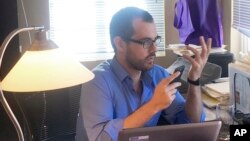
140	64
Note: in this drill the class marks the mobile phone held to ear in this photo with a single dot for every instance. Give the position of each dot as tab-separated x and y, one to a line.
180	69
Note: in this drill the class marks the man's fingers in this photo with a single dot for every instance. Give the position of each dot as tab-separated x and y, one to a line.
206	46
169	79
194	50
172	91
172	98
209	41
202	41
209	44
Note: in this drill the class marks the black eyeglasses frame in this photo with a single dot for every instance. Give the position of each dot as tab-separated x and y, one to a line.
146	43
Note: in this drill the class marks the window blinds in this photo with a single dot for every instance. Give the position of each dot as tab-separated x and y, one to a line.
241	16
83	26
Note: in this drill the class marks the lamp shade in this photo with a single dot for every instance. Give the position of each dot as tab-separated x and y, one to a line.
45	69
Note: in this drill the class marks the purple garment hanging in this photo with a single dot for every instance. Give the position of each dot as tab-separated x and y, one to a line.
182	20
205	16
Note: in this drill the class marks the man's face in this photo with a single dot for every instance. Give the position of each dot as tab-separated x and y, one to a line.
137	56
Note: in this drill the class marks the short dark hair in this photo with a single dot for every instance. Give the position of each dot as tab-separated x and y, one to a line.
121	22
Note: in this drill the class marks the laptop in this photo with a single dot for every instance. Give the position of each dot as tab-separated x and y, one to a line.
205	131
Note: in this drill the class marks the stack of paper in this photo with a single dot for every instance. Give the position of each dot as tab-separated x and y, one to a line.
209	101
221	89
216	93
180	49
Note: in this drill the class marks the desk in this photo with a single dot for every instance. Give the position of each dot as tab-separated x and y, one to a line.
211	115
224	132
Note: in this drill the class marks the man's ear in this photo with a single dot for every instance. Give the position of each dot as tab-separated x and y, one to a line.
119	43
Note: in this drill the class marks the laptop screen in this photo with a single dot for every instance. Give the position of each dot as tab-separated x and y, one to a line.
205	131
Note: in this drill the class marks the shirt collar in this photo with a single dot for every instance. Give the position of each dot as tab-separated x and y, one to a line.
117	68
147	77
121	73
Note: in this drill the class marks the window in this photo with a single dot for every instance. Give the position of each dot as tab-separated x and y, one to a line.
241	21
82	26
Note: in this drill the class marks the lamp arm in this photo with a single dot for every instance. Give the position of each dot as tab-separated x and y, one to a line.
11	35
2	98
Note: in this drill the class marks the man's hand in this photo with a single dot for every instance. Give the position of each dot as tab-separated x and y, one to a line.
164	93
200	58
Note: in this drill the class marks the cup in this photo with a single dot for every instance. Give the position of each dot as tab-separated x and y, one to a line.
225	113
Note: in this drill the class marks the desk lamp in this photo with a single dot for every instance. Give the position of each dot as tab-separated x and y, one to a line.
43	67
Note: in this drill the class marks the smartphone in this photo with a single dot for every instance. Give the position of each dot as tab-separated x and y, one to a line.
180	69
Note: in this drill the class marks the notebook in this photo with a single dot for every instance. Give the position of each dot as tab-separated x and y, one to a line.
205	131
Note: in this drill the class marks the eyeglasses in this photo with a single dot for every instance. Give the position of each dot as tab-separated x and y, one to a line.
147	43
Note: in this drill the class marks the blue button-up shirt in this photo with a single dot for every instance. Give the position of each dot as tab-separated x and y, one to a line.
110	97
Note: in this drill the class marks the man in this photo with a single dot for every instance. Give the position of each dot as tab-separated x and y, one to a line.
129	91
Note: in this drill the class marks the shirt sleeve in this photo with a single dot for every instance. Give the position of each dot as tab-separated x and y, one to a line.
175	113
97	112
